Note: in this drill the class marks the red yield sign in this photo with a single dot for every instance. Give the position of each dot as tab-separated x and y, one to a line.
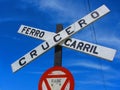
56	78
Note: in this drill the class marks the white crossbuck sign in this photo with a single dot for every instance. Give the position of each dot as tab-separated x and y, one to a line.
62	38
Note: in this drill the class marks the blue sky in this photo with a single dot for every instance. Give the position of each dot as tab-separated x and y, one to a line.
90	73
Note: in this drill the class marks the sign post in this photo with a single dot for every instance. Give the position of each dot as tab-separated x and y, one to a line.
58	49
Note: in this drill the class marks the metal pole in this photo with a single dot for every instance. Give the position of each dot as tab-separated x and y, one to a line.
58	49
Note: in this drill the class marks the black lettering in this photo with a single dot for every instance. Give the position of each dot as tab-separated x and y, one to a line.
73	44
95	14
67	42
91	48
68	31
36	33
42	34
82	23
22	62
94	51
57	38
33	53
24	29
32	32
86	47
27	31
45	47
57	81
80	45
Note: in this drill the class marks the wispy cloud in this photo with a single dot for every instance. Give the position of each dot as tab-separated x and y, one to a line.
95	82
12	19
113	74
2	20
65	12
94	65
107	76
91	65
59	11
53	5
10	37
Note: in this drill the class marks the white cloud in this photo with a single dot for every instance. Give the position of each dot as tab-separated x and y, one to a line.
113	74
99	82
60	10
51	4
7	19
12	19
109	76
111	42
10	37
90	65
95	66
66	12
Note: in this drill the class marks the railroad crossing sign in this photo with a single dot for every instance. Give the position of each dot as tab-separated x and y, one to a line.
72	43
56	78
52	39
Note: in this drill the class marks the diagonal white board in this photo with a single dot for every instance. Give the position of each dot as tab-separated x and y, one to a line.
75	44
64	34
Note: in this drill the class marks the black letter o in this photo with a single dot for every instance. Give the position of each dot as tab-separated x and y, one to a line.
95	14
